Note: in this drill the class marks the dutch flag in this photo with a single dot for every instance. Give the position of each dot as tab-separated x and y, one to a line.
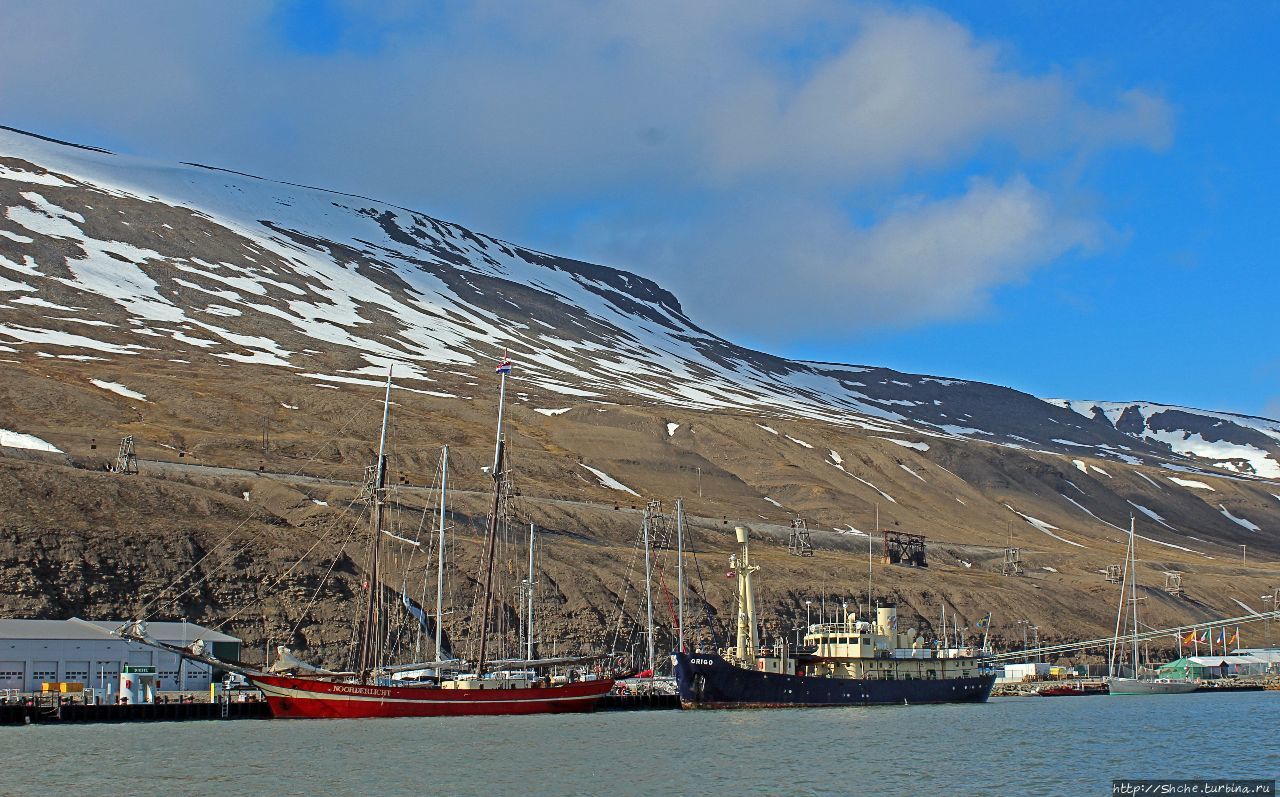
504	367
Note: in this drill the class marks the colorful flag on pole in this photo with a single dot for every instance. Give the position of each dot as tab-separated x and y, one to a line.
504	367
1189	638
1235	638
1222	636
1204	637
984	622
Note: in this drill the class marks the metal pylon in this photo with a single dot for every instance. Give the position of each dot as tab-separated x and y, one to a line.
126	460
799	544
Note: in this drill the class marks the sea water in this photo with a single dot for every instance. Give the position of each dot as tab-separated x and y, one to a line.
1010	746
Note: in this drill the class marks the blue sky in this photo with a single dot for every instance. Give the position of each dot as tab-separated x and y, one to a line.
1075	200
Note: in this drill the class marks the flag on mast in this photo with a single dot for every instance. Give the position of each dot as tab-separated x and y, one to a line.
1189	638
504	367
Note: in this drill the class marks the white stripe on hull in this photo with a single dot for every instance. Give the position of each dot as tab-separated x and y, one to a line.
535	695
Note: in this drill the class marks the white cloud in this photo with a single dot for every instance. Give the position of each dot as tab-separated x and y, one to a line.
694	142
925	259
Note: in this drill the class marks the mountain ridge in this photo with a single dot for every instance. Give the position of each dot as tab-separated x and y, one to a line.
460	258
235	326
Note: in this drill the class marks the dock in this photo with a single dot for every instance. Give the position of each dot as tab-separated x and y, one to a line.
39	712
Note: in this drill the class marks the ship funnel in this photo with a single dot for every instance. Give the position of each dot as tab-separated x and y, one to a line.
887	620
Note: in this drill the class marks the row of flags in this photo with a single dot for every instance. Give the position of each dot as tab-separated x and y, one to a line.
1221	638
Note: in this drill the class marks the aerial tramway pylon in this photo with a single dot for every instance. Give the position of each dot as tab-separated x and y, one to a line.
799	544
126	459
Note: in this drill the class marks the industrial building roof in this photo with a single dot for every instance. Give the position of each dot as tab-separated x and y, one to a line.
76	628
1232	659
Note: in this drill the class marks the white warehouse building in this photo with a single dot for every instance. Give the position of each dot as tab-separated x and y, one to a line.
85	651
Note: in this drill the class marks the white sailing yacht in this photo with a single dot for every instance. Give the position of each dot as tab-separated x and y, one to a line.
1138	684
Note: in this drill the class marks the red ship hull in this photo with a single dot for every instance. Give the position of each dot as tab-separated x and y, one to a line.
313	698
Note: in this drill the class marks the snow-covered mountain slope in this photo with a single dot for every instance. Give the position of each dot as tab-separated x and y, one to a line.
1235	443
114	257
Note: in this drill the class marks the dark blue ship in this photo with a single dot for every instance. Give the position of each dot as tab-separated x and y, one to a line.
707	680
852	663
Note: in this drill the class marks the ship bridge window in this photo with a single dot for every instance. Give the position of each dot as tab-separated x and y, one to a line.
866	640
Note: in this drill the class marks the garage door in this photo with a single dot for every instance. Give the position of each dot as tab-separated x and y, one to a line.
11	674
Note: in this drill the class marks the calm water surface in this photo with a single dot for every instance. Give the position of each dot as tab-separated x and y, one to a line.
1011	746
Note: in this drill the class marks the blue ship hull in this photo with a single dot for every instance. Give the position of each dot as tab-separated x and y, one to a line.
705	680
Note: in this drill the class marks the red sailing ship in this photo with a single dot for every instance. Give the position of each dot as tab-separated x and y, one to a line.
374	687
313	697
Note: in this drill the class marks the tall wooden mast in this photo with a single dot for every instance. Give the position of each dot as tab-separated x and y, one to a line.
495	510
372	638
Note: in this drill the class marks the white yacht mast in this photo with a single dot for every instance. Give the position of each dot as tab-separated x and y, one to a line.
1133	593
648	593
444	493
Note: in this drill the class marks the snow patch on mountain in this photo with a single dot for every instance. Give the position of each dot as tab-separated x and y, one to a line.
850	530
1152	514
1248	524
118	389
1090	513
883	494
1240	443
1047	528
913	473
1149	480
608	481
1191	484
10	439
907	443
